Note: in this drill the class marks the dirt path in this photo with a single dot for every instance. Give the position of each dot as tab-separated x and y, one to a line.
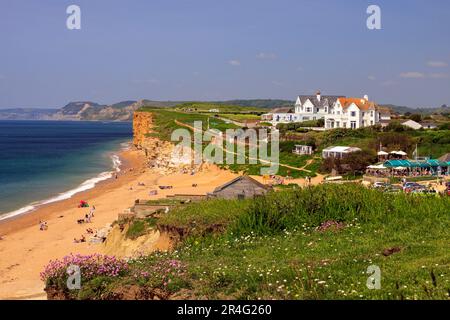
252	158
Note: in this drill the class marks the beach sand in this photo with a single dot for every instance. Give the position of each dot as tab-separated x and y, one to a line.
25	250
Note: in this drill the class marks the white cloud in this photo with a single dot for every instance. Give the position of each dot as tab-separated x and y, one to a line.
266	55
437	64
234	62
412	75
372	78
439	75
420	75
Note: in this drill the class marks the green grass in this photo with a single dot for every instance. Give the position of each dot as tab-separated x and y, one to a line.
240	117
164	122
140	227
223	108
270	248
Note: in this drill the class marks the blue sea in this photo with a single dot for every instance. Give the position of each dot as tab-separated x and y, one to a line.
47	161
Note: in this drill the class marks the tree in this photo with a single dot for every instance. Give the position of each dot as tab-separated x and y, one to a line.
416	117
357	162
321	122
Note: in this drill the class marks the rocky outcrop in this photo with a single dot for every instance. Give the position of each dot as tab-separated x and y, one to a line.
117	243
142	123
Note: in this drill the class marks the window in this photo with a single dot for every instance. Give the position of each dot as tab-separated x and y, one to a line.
353	124
317	109
371	122
353	113
338	124
308	109
326	109
345	124
371	113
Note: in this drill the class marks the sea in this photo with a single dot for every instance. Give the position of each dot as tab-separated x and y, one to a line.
46	161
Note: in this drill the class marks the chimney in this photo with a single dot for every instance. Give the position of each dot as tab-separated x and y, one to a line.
366	97
318	95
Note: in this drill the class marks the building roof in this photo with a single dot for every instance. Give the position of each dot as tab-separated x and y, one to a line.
412	124
225	185
428	123
361	103
415	164
445	158
341	149
324	100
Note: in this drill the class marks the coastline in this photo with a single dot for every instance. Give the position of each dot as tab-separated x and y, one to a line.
84	186
28	249
41	210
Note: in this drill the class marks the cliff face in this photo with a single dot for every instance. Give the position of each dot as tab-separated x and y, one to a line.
162	156
142	122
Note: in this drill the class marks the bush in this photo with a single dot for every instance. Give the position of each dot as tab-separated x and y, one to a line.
291	209
92	266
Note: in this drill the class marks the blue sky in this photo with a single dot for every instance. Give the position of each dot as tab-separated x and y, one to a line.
216	49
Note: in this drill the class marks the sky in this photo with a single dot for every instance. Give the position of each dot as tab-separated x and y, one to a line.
220	50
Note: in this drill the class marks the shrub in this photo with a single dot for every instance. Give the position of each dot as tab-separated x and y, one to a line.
91	266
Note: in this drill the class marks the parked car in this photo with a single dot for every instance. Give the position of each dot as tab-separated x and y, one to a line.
409	186
381	185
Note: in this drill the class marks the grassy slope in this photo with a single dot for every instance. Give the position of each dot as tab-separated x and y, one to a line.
273	251
270	247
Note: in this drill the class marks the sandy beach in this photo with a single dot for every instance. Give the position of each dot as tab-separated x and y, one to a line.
25	250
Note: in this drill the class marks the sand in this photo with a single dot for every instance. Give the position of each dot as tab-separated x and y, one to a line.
25	250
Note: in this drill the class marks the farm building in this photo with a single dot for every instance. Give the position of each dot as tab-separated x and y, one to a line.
241	187
302	149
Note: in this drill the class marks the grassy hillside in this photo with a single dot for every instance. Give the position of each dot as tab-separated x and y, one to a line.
313	243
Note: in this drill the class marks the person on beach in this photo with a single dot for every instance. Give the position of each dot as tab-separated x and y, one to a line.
91	211
43	225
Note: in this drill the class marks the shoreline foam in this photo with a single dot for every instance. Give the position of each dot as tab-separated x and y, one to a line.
85	185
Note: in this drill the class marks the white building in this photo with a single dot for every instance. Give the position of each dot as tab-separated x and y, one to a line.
412	124
352	113
301	149
306	108
338	151
337	111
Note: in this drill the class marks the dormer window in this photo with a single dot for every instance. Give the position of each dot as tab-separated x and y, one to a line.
326	109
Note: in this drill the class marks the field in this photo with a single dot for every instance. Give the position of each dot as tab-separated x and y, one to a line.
313	243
